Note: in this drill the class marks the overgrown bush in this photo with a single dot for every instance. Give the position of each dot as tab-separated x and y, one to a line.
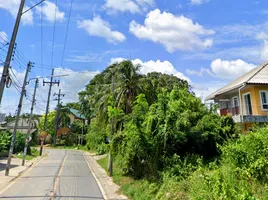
176	124
19	142
242	173
5	138
97	138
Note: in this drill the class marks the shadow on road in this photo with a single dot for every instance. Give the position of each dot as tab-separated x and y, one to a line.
3	166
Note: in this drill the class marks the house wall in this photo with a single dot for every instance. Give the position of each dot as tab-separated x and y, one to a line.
72	118
258	99
255	99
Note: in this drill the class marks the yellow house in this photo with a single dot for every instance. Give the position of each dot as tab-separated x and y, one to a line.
246	98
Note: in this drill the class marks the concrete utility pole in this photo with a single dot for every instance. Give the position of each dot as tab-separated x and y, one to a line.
59	95
23	93
30	122
48	99
5	72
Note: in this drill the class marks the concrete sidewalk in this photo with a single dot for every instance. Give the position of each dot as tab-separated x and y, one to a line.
109	189
15	170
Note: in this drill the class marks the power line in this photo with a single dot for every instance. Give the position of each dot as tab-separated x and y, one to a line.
20	54
4	39
15	78
41	16
54	30
66	35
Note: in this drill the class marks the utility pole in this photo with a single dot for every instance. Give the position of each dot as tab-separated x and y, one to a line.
5	72
23	93
59	95
30	122
48	99
110	157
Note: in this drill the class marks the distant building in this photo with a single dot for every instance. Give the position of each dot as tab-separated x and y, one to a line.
23	125
2	117
74	114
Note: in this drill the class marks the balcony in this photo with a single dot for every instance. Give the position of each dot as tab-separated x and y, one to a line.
234	111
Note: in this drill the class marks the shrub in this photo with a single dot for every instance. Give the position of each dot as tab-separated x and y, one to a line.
19	142
5	138
97	138
242	174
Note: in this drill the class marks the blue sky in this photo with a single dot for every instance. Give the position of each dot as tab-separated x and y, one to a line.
207	42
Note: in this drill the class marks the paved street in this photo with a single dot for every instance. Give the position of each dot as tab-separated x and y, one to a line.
62	175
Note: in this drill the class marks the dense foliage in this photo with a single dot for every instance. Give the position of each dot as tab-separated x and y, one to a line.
5	140
156	121
167	144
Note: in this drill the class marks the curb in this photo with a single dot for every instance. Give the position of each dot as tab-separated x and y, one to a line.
96	178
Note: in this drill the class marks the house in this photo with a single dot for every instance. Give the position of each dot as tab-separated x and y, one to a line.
75	114
23	125
246	98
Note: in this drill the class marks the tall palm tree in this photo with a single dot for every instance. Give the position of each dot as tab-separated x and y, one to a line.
128	85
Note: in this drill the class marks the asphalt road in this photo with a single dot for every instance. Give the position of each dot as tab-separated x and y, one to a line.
62	175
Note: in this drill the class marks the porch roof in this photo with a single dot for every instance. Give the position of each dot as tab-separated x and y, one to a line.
258	75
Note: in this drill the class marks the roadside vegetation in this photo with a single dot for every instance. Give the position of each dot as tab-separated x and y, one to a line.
5	141
166	143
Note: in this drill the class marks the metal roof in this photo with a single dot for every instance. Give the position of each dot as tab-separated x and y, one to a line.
77	114
258	75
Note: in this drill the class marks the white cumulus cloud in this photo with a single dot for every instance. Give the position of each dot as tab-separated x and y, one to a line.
48	10
198	2
164	67
100	28
225	69
12	6
133	6
173	32
264	51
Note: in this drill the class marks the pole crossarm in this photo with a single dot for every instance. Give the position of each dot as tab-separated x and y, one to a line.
51	82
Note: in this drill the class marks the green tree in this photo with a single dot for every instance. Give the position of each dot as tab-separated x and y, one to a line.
50	128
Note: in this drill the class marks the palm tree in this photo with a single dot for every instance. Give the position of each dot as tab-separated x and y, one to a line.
128	85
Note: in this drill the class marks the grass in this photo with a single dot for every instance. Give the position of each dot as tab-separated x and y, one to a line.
134	189
34	154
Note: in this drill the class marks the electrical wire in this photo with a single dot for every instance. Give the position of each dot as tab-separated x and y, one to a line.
19	53
54	30
66	35
15	86
41	19
13	74
2	37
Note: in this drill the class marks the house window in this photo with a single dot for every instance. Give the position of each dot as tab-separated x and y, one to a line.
235	102
264	100
247	103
